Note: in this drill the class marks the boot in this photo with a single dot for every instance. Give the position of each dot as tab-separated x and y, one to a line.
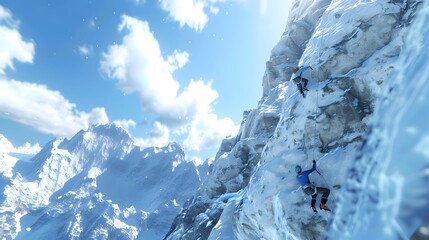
313	205
323	205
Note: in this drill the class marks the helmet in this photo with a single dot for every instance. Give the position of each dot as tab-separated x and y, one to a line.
298	169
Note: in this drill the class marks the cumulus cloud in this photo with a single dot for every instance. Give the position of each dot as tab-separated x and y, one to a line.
12	45
159	136
45	110
33	104
137	66
7	18
28	148
125	124
186	12
178	59
207	131
193	13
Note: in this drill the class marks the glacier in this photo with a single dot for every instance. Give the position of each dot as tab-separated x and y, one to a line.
363	120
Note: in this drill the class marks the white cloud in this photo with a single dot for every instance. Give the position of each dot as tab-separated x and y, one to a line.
32	104
178	60
186	12
45	110
207	131
12	46
27	148
125	124
85	50
192	13
7	19
159	136
137	66
4	13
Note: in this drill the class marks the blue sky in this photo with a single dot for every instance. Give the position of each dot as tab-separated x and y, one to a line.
166	70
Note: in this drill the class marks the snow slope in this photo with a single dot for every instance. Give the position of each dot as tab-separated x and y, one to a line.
96	185
251	191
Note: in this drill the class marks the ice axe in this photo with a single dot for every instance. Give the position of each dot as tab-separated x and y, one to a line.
314	161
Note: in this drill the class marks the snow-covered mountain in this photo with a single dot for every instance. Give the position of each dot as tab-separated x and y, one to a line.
96	185
369	59
363	120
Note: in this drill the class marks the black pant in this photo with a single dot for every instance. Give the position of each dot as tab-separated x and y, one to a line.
300	87
325	194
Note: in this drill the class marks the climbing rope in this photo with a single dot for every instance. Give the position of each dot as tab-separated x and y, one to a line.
315	118
332	192
351	105
356	117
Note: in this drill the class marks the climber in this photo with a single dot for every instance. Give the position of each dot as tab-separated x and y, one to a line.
298	79
310	189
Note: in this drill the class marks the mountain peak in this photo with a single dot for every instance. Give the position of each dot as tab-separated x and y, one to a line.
5	144
99	161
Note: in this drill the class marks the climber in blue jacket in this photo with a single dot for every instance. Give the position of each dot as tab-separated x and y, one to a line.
298	79
310	189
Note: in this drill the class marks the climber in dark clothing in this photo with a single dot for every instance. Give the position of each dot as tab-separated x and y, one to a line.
298	79
310	189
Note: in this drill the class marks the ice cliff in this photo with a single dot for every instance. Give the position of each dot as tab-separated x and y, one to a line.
96	185
349	122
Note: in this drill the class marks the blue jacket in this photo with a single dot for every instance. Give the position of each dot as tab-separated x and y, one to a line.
303	177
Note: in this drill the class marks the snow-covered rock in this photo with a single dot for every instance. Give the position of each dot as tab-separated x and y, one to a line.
285	56
251	192
96	185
